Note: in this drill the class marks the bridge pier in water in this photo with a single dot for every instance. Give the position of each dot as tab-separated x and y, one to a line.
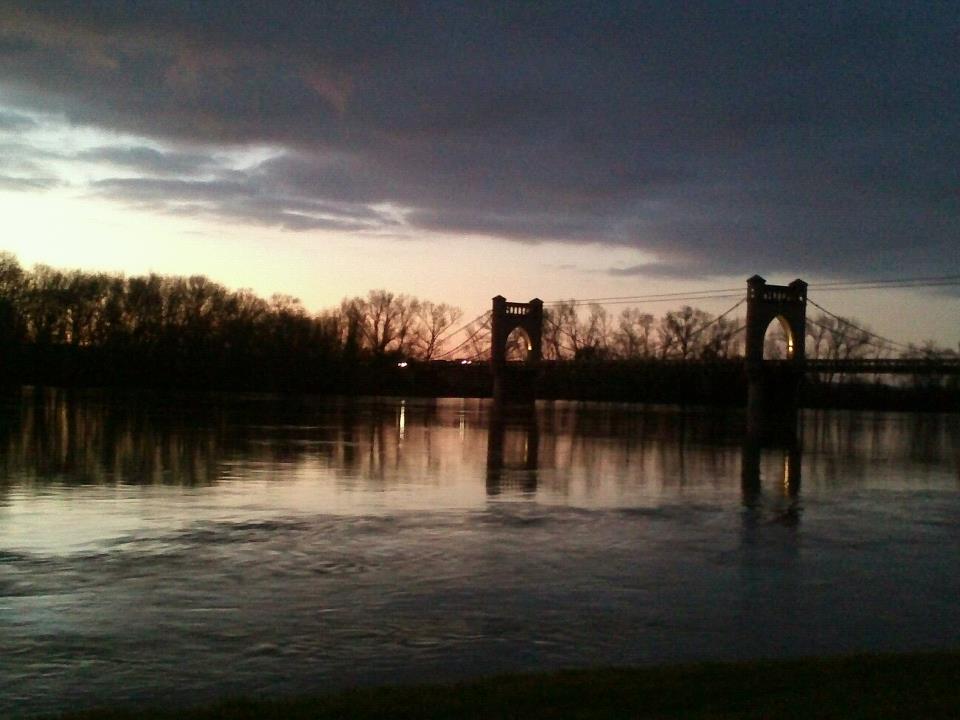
773	402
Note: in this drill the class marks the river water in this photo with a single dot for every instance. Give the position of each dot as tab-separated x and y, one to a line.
183	549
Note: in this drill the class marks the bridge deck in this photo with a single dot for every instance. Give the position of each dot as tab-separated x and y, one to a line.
900	366
869	366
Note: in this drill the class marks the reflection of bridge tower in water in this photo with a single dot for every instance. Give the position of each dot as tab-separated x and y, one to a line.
773	395
513	447
513	380
773	388
787	477
769	585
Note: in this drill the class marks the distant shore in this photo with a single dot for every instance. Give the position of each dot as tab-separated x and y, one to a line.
917	685
720	384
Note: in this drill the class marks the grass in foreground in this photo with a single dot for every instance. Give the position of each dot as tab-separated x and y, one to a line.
872	686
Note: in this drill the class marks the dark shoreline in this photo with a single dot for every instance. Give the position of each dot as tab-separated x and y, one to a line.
913	685
719	384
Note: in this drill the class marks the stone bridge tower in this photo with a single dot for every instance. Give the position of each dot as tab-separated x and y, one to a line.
515	381
773	388
785	303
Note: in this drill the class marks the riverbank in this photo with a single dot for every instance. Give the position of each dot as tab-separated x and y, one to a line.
867	686
719	384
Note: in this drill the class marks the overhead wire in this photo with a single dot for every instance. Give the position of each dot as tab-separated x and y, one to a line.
447	335
468	339
886	286
649	299
712	293
725	293
932	281
855	327
450	352
647	296
868	343
718	318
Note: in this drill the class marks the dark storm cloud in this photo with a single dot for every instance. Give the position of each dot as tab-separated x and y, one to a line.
26	184
15	121
240	196
149	161
724	138
659	270
19	159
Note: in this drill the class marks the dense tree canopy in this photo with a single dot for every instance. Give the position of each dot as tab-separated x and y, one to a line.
195	322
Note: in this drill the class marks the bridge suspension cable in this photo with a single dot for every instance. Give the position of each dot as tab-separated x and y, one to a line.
665	297
849	324
714	293
930	281
476	356
648	296
476	332
888	283
868	343
718	318
447	335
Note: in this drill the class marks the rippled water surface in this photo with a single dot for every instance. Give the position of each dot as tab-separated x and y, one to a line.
181	549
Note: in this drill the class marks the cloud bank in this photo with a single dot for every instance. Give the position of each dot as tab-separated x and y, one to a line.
719	138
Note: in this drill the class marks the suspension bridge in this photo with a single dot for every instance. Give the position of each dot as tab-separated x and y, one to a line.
768	377
478	343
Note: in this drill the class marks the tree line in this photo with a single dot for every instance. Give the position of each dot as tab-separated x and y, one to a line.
194	315
145	326
693	334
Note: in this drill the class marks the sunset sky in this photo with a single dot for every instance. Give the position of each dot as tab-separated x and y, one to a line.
455	151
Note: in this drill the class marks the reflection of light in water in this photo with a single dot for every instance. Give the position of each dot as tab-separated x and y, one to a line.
403	418
786	473
312	500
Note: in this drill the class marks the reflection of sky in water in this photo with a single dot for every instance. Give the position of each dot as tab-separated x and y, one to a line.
194	548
